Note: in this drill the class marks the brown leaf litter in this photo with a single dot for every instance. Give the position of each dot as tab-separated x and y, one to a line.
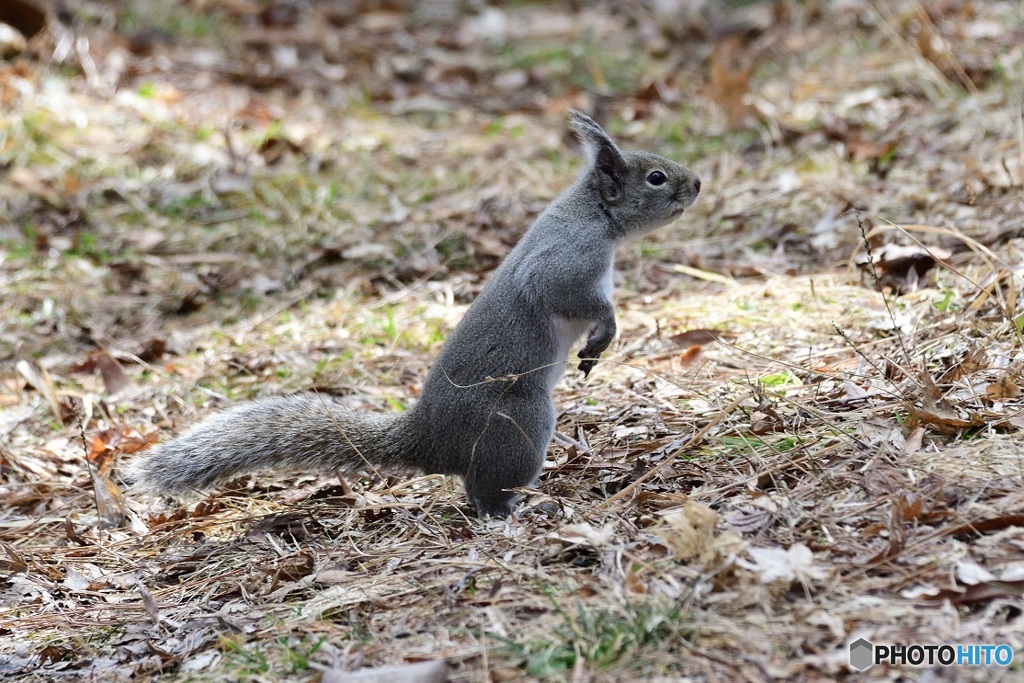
779	455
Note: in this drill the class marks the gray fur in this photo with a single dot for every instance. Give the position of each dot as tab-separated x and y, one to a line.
486	412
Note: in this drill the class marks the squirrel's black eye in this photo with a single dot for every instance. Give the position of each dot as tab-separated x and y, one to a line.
656	178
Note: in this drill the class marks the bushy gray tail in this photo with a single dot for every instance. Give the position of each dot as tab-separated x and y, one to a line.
299	432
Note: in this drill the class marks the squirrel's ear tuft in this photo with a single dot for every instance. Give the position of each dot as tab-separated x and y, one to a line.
591	135
603	154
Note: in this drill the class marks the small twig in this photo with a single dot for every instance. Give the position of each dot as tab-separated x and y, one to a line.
885	299
842	333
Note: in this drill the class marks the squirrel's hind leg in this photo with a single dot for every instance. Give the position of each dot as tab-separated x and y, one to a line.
509	454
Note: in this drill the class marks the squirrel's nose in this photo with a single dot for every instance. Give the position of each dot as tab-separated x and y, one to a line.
696	184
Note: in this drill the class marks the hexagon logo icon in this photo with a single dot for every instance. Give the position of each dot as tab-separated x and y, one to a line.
861	654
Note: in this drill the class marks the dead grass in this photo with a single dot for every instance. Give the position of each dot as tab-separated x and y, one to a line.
775	459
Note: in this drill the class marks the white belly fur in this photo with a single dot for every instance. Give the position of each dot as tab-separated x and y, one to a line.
567	331
607	283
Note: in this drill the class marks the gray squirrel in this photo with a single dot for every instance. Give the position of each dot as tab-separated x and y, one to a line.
486	410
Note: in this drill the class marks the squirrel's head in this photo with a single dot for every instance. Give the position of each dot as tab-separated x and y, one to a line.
640	191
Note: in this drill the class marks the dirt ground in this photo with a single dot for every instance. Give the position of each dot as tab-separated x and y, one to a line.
808	431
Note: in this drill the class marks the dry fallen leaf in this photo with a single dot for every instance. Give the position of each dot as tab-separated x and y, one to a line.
946	421
1004	389
699	337
41	382
987	525
859	149
27	17
421	672
971	573
109	500
585	534
690	531
976	593
689	356
149	603
145	240
882	479
974	360
14	563
729	83
937	412
115	379
784	565
900	267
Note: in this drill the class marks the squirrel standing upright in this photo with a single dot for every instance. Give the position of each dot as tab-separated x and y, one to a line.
486	412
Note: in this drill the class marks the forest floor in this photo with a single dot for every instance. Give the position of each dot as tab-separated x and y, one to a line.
808	431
